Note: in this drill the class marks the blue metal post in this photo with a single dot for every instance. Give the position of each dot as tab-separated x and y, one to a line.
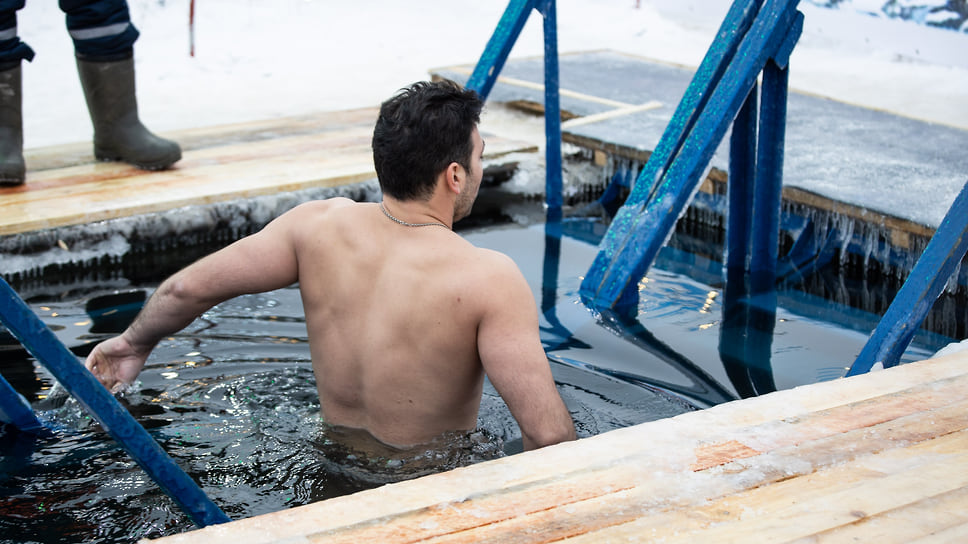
924	284
731	33
742	175
769	181
15	409
553	178
640	230
492	61
82	385
734	330
499	47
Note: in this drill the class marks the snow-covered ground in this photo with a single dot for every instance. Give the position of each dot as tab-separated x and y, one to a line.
257	59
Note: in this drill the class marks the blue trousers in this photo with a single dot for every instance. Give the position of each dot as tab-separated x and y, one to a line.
100	29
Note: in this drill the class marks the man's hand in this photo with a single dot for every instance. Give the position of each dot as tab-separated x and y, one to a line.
115	363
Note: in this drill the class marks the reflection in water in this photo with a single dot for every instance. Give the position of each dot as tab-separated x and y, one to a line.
701	386
746	335
557	335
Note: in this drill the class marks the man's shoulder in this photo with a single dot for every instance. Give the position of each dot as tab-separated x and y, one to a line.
493	264
316	206
312	216
316	210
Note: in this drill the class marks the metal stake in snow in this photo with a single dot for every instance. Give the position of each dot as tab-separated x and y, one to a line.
191	28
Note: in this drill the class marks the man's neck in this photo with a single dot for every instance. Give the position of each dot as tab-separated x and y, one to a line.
414	213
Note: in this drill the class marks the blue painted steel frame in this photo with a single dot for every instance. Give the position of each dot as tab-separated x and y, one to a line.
82	385
737	22
553	177
748	38
499	46
742	177
921	289
489	67
15	409
753	228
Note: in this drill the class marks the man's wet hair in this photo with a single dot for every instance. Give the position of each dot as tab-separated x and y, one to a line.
420	131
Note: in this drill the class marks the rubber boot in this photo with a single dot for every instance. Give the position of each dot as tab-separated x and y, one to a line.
12	168
118	133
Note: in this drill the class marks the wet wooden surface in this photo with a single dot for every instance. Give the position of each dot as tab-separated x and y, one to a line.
881	457
66	186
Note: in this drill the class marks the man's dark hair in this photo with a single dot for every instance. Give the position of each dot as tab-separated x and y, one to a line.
420	131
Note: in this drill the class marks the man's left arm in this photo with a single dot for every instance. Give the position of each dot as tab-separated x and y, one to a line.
514	360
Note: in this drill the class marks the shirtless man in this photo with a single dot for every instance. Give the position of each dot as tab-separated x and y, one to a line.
404	316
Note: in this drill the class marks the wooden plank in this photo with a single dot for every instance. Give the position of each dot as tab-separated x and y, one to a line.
814	200
295	146
87	176
614	494
524	84
656	478
73	154
958	533
96	196
250	167
838	495
936	515
610	114
816	501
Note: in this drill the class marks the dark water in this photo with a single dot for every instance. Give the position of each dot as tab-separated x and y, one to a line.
677	342
233	400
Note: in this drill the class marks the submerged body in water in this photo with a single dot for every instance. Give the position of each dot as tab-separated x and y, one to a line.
363	461
234	403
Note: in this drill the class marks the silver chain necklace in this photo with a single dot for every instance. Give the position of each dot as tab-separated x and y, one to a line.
406	224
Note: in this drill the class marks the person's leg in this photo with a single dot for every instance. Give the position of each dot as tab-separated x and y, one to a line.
104	39
12	52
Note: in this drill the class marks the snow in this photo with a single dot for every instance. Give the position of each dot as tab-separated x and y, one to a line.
259	59
954	347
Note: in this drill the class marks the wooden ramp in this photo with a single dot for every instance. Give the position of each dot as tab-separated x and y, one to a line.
881	458
65	186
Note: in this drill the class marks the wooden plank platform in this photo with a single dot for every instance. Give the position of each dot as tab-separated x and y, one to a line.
881	457
65	186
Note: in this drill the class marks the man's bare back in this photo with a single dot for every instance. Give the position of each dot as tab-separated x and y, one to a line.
403	320
391	309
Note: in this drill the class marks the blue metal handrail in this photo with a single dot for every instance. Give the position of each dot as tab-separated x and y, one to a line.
921	289
38	339
489	67
755	37
15	409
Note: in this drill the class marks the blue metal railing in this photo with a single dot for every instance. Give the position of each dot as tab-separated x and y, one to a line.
755	37
489	67
921	289
15	409
38	339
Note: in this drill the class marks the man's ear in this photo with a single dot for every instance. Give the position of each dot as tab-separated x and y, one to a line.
454	177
